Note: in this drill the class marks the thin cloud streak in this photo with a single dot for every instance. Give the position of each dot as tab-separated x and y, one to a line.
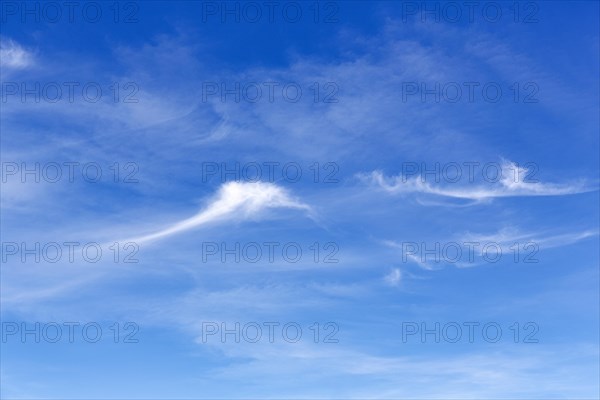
505	187
504	238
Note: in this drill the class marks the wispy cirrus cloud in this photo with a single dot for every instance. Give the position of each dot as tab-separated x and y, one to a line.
13	55
508	236
234	200
394	277
510	184
504	241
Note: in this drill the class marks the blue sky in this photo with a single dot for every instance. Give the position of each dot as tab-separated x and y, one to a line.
358	171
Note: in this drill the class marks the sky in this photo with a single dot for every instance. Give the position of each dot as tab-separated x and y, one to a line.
304	200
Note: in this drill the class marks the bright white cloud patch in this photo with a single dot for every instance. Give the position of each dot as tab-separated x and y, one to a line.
13	55
234	200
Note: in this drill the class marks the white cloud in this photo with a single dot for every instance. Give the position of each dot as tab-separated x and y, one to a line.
508	236
511	184
529	243
236	200
13	55
394	277
408	256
